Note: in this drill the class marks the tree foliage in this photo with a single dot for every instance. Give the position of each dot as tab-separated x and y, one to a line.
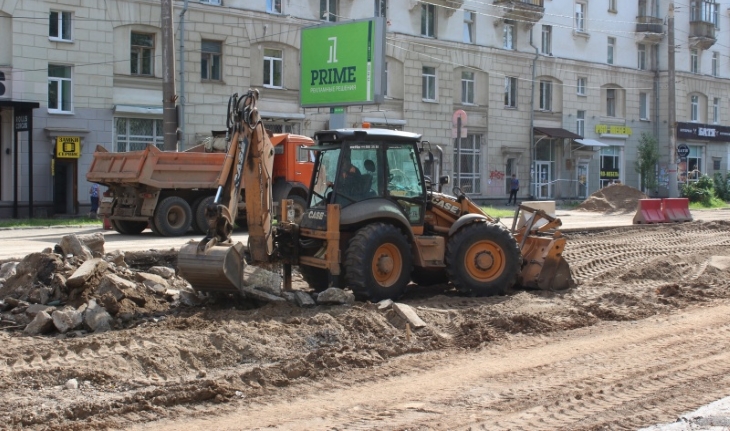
701	190
647	158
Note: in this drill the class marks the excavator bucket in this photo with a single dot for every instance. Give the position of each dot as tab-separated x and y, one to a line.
219	269
544	266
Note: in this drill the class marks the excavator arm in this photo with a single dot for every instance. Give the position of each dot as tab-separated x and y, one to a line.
216	263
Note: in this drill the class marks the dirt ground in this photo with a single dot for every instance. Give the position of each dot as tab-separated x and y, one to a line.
640	340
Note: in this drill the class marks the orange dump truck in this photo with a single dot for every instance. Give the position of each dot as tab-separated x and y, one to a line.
169	191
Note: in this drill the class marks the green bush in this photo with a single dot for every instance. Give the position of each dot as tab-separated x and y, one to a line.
700	191
722	188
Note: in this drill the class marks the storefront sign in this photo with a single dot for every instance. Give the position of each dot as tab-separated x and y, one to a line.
609	175
703	132
605	129
5	87
22	121
68	147
683	151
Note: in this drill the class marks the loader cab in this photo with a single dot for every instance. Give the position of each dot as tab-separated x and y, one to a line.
367	169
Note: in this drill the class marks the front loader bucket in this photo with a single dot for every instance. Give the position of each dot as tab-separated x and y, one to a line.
219	269
544	266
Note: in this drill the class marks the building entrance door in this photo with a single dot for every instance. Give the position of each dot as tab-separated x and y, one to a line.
64	187
542	181
583	180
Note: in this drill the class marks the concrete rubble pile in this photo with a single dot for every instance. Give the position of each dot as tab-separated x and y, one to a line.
76	288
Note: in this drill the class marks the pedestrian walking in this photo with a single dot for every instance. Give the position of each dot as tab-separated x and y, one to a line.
513	189
94	197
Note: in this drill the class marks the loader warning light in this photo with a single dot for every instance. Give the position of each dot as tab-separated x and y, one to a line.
365	125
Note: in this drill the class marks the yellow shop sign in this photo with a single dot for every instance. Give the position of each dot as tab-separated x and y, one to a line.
68	147
605	129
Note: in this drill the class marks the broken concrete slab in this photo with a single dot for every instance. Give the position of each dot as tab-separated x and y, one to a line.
94	241
146	276
156	288
41	324
86	271
303	299
7	270
34	309
254	293
116	285
117	258
335	296
162	271
70	244
96	318
263	279
66	319
385	304
408	313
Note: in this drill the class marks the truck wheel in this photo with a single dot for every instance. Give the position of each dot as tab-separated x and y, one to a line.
200	223
173	216
129	227
378	262
483	259
316	278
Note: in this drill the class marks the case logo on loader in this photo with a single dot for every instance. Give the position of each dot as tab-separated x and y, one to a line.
446	206
316	215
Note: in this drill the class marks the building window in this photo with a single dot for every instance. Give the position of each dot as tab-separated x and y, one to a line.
694	111
610	167
694	163
469	26
703	10
467	88
547	40
273	68
642	57
581	86
59	88
429	83
716	110
328	10
715	64
580	123
580	17
210	60
546	96
134	134
470	151
611	102
273	6
143	49
716	164
216	2
694	61
381	7
510	92
612	6
611	50
508	37
428	20
643	106
59	26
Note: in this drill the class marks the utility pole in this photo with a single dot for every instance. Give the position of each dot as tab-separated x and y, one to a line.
181	120
169	121
672	168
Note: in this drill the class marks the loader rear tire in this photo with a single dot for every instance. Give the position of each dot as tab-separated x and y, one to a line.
483	259
378	263
129	227
316	278
173	216
200	223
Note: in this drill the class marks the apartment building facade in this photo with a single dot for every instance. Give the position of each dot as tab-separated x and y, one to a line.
557	92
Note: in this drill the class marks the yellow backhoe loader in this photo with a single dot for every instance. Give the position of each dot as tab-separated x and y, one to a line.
373	222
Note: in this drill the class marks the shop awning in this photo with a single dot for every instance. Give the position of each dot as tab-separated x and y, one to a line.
19	105
556	132
144	110
591	143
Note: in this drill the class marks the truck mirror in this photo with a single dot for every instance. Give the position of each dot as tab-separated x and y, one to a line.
444	180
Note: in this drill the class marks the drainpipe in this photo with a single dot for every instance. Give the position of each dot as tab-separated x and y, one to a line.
181	121
533	147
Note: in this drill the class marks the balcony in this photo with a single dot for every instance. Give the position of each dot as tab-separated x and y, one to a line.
649	29
701	34
450	6
527	12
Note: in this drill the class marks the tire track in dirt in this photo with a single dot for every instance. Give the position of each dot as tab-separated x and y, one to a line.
641	373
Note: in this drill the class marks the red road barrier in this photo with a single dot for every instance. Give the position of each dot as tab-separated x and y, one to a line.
107	224
676	209
649	211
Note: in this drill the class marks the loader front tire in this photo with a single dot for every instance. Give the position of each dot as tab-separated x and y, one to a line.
378	263
483	259
173	216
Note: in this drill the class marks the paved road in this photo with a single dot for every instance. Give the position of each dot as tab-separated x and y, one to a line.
16	243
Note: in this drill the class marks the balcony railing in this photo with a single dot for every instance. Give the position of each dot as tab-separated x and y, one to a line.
538	3
649	24
702	29
525	11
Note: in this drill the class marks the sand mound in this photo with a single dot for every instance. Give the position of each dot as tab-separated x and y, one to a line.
613	198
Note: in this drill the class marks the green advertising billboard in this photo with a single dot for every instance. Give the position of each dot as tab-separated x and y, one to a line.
343	64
